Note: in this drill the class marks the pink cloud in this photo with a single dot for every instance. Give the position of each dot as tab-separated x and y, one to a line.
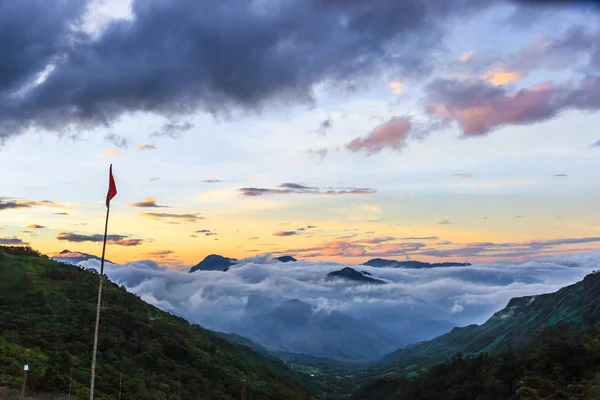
480	107
393	134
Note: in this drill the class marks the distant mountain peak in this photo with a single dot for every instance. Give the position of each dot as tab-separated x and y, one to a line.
286	259
383	263
214	262
353	275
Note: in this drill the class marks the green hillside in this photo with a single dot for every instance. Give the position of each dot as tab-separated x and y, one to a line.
538	347
516	325
47	312
562	365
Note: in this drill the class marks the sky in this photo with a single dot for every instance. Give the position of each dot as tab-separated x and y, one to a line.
438	130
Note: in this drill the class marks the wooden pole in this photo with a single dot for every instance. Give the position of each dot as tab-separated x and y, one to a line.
70	382
98	307
244	389
24	384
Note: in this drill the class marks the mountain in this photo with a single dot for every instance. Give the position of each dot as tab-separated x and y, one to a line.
75	257
298	327
538	347
48	311
214	262
286	259
515	325
383	263
353	275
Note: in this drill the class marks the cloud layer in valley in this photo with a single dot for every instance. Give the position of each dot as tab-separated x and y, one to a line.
458	295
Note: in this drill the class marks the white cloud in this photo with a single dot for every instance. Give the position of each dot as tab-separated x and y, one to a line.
460	295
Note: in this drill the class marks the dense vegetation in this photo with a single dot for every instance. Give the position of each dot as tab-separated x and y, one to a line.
538	347
516	325
564	364
47	312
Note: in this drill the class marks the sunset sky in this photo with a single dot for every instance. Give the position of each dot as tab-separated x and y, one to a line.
336	131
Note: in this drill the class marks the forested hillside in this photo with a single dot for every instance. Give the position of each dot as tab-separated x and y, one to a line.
47	312
516	325
538	347
562	365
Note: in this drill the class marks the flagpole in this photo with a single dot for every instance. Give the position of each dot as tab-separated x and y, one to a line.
98	305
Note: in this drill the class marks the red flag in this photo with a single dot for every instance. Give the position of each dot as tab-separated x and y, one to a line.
112	188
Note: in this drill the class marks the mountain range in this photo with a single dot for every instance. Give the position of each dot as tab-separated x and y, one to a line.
298	327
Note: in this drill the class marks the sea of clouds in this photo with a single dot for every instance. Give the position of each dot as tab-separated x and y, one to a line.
460	295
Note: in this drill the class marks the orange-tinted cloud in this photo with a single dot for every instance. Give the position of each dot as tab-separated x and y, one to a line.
145	146
36	226
160	254
462	176
393	134
500	75
173	218
464	57
111	152
397	87
377	247
285	233
149	202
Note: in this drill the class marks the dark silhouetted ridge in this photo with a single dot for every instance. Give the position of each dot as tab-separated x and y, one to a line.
214	262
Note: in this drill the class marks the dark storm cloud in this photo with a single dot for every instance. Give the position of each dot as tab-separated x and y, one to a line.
119	240
34	33
176	57
558	2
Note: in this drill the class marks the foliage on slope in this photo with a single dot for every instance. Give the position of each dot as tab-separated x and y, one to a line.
47	312
574	306
563	364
